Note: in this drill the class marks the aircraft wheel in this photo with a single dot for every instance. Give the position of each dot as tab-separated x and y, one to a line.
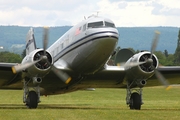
135	101
32	100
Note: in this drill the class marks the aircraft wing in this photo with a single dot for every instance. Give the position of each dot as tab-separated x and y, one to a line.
111	72
109	77
8	78
170	73
115	77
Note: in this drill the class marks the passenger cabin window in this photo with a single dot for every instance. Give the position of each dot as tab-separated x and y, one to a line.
108	24
61	46
95	24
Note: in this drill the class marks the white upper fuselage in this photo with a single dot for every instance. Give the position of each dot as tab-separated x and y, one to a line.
87	46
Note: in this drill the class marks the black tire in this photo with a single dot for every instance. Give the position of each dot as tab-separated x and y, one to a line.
32	100
135	101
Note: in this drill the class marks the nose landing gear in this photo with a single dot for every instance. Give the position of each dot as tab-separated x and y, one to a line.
31	96
134	99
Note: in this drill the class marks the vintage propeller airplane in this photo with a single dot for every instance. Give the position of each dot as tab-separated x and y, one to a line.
78	60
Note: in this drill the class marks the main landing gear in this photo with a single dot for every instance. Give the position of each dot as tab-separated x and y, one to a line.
134	99
31	95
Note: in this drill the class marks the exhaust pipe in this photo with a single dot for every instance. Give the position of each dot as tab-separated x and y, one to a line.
143	82
37	80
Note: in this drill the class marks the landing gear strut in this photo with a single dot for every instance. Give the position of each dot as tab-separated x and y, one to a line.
134	99
31	96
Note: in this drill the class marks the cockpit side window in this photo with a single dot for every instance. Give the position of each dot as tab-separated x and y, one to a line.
95	24
84	27
108	24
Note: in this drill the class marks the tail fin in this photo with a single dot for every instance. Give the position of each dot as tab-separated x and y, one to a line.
30	41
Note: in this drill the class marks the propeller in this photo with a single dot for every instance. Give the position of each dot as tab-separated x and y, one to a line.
146	62
149	61
162	79
20	67
45	39
132	64
155	42
43	57
62	75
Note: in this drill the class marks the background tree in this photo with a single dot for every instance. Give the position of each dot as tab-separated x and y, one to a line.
170	60
164	60
23	53
161	57
9	57
177	52
166	53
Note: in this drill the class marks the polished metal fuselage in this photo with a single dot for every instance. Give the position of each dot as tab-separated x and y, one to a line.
87	51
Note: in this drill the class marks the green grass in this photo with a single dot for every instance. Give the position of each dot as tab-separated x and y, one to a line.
101	104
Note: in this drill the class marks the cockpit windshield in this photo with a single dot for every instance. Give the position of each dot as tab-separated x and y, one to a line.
108	24
95	24
100	24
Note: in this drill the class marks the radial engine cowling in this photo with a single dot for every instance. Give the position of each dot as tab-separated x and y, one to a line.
142	71
42	67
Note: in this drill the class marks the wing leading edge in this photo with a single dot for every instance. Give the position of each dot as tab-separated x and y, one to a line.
110	77
115	77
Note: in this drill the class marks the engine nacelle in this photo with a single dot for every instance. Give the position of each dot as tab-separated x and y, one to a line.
39	69
143	71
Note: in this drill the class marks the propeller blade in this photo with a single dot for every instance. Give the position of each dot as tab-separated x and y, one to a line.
62	75
154	43
20	67
162	79
132	64
45	39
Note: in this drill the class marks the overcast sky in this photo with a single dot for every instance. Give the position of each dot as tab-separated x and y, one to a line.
126	13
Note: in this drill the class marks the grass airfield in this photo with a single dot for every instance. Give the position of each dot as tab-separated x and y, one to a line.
102	104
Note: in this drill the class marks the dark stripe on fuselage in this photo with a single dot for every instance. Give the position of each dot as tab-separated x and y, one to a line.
59	54
29	42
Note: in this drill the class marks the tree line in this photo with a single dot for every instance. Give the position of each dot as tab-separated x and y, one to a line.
10	57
